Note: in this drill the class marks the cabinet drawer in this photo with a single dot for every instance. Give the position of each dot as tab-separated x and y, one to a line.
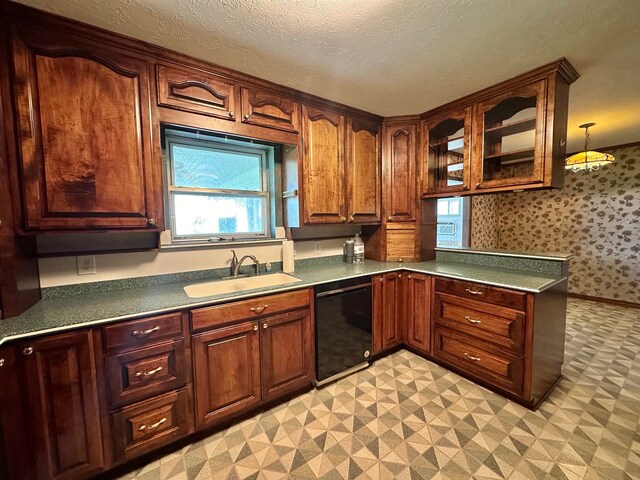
195	91
499	325
479	360
142	331
483	293
148	425
142	373
246	309
270	110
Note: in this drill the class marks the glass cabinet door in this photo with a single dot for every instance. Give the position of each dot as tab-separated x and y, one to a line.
447	150
509	143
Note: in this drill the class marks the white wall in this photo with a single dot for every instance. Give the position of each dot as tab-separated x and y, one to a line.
63	270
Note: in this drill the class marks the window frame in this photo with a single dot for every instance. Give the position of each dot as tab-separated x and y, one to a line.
216	144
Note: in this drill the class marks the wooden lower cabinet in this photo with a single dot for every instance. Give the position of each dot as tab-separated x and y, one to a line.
226	371
286	352
417	318
61	397
387	311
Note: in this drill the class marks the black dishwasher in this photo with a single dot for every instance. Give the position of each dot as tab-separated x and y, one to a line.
343	317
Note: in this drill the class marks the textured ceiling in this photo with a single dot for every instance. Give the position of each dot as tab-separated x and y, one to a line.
395	57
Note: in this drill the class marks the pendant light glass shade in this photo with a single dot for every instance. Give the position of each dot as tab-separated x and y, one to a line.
588	159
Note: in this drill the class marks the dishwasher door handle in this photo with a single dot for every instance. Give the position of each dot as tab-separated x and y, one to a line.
342	290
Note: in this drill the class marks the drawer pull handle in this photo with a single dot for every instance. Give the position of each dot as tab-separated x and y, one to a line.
143	333
473	292
473	320
471	357
150	372
153	425
258	309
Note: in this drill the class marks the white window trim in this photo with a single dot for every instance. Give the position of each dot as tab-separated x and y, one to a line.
170	189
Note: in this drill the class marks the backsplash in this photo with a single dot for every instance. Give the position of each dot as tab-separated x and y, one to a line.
593	217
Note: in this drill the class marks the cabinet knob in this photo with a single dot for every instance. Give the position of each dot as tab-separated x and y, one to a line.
465	187
255	327
1	362
27	350
380	279
389	218
408	276
343	219
264	325
478	185
246	116
352	218
232	114
400	276
151	222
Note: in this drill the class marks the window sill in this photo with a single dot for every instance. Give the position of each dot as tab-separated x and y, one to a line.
168	245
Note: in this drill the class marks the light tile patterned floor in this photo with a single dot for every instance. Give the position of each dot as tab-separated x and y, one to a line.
406	418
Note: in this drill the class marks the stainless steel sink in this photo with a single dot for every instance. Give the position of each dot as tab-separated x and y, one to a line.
231	285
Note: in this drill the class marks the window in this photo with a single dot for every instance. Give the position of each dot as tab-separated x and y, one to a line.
453	222
217	189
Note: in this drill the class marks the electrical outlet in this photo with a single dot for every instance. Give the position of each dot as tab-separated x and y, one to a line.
86	264
317	247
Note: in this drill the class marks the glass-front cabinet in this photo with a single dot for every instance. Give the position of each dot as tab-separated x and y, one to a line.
508	138
447	151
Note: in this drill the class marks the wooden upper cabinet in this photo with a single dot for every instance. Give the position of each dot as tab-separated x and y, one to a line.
446	152
323	166
195	91
270	110
62	397
83	126
363	171
509	138
399	171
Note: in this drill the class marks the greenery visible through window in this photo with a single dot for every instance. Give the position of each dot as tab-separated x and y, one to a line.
217	189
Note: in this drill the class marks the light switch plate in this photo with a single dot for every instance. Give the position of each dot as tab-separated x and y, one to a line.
86	264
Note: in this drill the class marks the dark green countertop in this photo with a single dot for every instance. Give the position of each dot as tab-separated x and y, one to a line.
59	314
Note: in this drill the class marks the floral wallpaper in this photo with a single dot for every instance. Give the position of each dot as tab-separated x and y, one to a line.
596	216
484	221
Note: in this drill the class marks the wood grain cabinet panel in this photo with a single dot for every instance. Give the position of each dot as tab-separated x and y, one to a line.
484	293
83	125
62	396
139	374
145	426
286	353
479	359
270	110
363	172
387	311
323	166
142	331
226	371
417	318
399	170
195	91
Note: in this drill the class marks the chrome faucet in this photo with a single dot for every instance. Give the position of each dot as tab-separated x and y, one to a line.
235	264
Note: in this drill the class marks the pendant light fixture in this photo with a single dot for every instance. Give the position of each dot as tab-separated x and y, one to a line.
588	159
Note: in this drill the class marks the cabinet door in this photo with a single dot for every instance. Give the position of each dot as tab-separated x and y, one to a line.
387	308
226	371
323	166
286	353
195	91
509	135
83	116
418	311
363	171
446	152
270	110
399	172
62	396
